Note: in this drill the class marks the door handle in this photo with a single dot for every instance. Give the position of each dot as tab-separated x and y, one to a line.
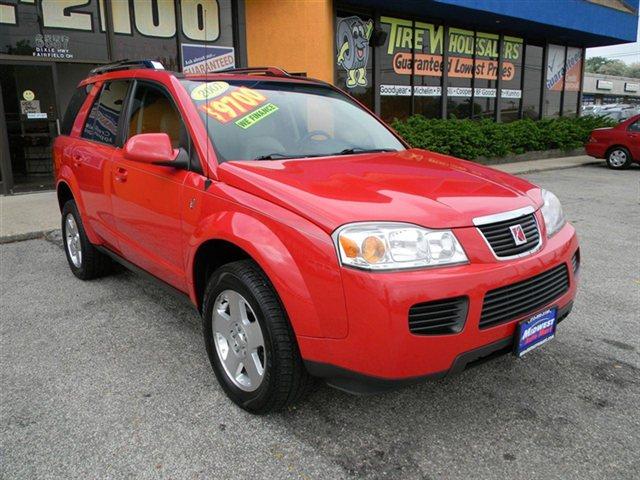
121	174
77	160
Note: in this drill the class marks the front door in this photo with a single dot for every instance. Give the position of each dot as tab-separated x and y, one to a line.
633	135
31	118
147	198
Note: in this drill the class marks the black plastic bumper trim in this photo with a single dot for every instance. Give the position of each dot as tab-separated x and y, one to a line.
361	384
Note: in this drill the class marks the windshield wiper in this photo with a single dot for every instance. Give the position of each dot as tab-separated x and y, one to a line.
271	156
351	151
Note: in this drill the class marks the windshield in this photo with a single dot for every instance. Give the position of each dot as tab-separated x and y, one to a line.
265	120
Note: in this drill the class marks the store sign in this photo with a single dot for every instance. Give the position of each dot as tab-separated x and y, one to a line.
52	46
352	44
631	87
484	92
153	18
395	90
425	91
427	41
604	85
573	70
206	58
459	91
510	93
555	67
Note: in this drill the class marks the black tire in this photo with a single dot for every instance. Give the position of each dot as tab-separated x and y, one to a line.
615	157
93	263
285	380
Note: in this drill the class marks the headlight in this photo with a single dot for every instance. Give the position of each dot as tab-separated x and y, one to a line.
552	213
389	246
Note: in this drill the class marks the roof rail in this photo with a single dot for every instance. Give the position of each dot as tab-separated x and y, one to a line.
126	64
269	71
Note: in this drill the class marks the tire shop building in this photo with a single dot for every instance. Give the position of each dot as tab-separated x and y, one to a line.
501	60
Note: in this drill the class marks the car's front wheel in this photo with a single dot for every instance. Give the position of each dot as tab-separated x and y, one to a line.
251	346
618	158
86	262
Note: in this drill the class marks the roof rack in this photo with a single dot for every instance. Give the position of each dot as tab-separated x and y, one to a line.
269	71
126	64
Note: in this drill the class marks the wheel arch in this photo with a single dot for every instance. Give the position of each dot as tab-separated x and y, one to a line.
613	147
64	193
229	236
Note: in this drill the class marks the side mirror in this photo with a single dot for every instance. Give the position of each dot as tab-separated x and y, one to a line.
154	148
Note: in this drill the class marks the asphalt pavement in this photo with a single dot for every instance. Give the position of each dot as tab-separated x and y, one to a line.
110	379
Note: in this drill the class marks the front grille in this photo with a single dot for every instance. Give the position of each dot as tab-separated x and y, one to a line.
439	317
513	301
499	236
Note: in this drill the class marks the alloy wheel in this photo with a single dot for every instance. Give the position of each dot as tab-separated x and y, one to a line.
618	158
238	339
72	240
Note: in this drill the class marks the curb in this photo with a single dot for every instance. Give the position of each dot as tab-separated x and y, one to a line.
21	237
547	169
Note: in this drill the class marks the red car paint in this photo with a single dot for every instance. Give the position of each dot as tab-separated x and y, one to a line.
282	213
626	134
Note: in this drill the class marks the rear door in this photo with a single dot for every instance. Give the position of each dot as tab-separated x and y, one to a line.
147	198
91	158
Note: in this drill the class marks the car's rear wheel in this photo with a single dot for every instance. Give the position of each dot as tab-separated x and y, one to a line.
618	158
251	346
85	261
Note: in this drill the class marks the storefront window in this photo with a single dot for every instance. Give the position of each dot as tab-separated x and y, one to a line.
554	80
485	75
534	56
396	62
428	69
572	82
460	70
354	56
510	87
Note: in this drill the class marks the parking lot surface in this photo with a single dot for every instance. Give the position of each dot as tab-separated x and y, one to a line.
110	379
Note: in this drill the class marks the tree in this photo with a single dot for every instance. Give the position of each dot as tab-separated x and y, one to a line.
594	63
608	66
633	70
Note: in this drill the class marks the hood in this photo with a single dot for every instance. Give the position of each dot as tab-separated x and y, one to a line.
414	186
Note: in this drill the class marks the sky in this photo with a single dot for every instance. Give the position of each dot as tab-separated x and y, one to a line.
627	52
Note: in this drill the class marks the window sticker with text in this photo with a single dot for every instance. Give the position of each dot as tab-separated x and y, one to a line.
243	105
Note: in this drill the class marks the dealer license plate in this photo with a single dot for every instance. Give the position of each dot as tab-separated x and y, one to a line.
535	331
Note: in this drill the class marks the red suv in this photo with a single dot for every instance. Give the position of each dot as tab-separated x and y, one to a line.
313	241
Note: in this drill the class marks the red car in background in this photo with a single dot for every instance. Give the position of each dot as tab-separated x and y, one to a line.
619	145
312	239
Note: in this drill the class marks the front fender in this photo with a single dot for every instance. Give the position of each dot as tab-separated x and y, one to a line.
301	264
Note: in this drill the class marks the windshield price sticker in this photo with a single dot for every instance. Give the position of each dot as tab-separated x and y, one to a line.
257	115
209	90
233	105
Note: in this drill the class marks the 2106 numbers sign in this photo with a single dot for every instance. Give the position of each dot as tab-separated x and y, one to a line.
234	104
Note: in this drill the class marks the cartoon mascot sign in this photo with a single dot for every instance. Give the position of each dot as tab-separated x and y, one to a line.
352	41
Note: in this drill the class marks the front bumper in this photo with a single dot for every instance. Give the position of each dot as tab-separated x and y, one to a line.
379	346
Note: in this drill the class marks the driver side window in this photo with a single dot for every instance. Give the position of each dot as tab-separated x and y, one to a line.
635	126
153	111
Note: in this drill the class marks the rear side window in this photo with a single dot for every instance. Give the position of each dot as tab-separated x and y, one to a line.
102	122
73	108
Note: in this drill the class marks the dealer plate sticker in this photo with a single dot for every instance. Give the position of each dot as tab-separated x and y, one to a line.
537	330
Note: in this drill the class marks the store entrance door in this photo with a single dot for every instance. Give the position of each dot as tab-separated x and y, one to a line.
32	122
